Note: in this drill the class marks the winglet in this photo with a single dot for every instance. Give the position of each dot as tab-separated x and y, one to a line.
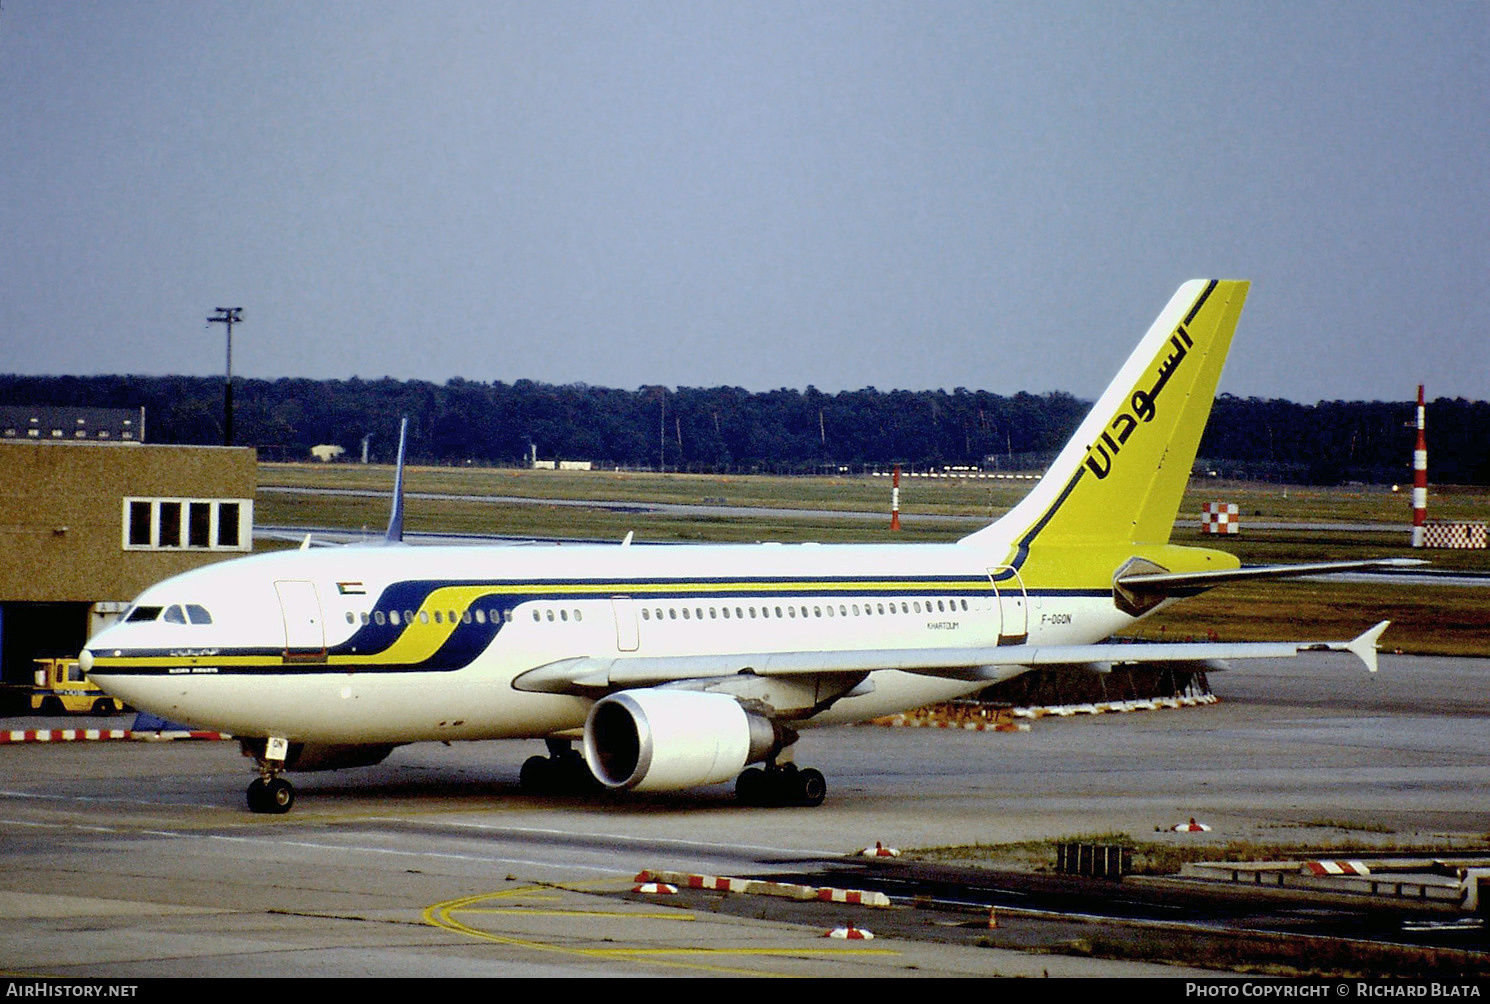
395	534
1363	647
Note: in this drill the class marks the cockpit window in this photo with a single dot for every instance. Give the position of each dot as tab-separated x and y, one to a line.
144	614
175	615
198	614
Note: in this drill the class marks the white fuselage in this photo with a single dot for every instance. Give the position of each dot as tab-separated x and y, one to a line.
401	644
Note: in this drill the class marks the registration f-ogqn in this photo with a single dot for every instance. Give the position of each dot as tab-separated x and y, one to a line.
683	666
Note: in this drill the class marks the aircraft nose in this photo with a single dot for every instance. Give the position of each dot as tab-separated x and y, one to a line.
85	660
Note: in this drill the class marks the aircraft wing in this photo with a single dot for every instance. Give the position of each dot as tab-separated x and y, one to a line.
594	676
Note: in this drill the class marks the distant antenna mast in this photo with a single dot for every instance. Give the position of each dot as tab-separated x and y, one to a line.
895	499
1420	475
228	316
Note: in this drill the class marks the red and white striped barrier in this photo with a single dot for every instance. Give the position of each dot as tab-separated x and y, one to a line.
757	887
1191	827
1335	868
879	850
99	735
850	933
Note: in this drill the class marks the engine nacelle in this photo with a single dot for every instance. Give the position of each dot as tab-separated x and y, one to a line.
663	740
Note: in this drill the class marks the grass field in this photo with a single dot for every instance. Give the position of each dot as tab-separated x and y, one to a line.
1426	619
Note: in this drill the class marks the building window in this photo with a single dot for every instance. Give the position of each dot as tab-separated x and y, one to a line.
140	524
168	527
168	524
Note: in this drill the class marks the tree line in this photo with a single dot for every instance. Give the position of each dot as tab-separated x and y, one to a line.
728	429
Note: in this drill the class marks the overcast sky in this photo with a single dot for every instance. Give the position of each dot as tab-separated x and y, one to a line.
996	196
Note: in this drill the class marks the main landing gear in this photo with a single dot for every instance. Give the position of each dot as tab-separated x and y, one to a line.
781	784
269	792
562	772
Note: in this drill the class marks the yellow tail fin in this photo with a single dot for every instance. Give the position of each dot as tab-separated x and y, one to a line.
1121	477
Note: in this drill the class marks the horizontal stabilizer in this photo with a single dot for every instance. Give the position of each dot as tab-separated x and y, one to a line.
1189	583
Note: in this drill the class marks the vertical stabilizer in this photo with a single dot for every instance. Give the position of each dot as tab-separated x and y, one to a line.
1121	477
395	534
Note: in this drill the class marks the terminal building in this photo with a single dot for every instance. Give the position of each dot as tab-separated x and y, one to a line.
90	516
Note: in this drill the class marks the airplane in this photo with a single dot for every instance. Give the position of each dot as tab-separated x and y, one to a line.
683	666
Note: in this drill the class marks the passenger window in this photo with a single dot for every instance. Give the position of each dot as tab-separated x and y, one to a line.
437	618
646	614
424	617
350	618
378	617
563	615
578	616
393	618
481	617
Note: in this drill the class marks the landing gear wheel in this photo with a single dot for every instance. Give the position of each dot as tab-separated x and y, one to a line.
751	786
537	777
272	795
281	795
812	788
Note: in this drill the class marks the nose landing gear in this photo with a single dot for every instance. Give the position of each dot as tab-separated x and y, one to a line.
269	793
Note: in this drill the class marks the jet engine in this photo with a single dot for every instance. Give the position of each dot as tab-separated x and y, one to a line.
662	740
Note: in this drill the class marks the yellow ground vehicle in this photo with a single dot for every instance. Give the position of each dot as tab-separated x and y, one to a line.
61	688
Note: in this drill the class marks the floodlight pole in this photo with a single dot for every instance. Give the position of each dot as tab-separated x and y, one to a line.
228	316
